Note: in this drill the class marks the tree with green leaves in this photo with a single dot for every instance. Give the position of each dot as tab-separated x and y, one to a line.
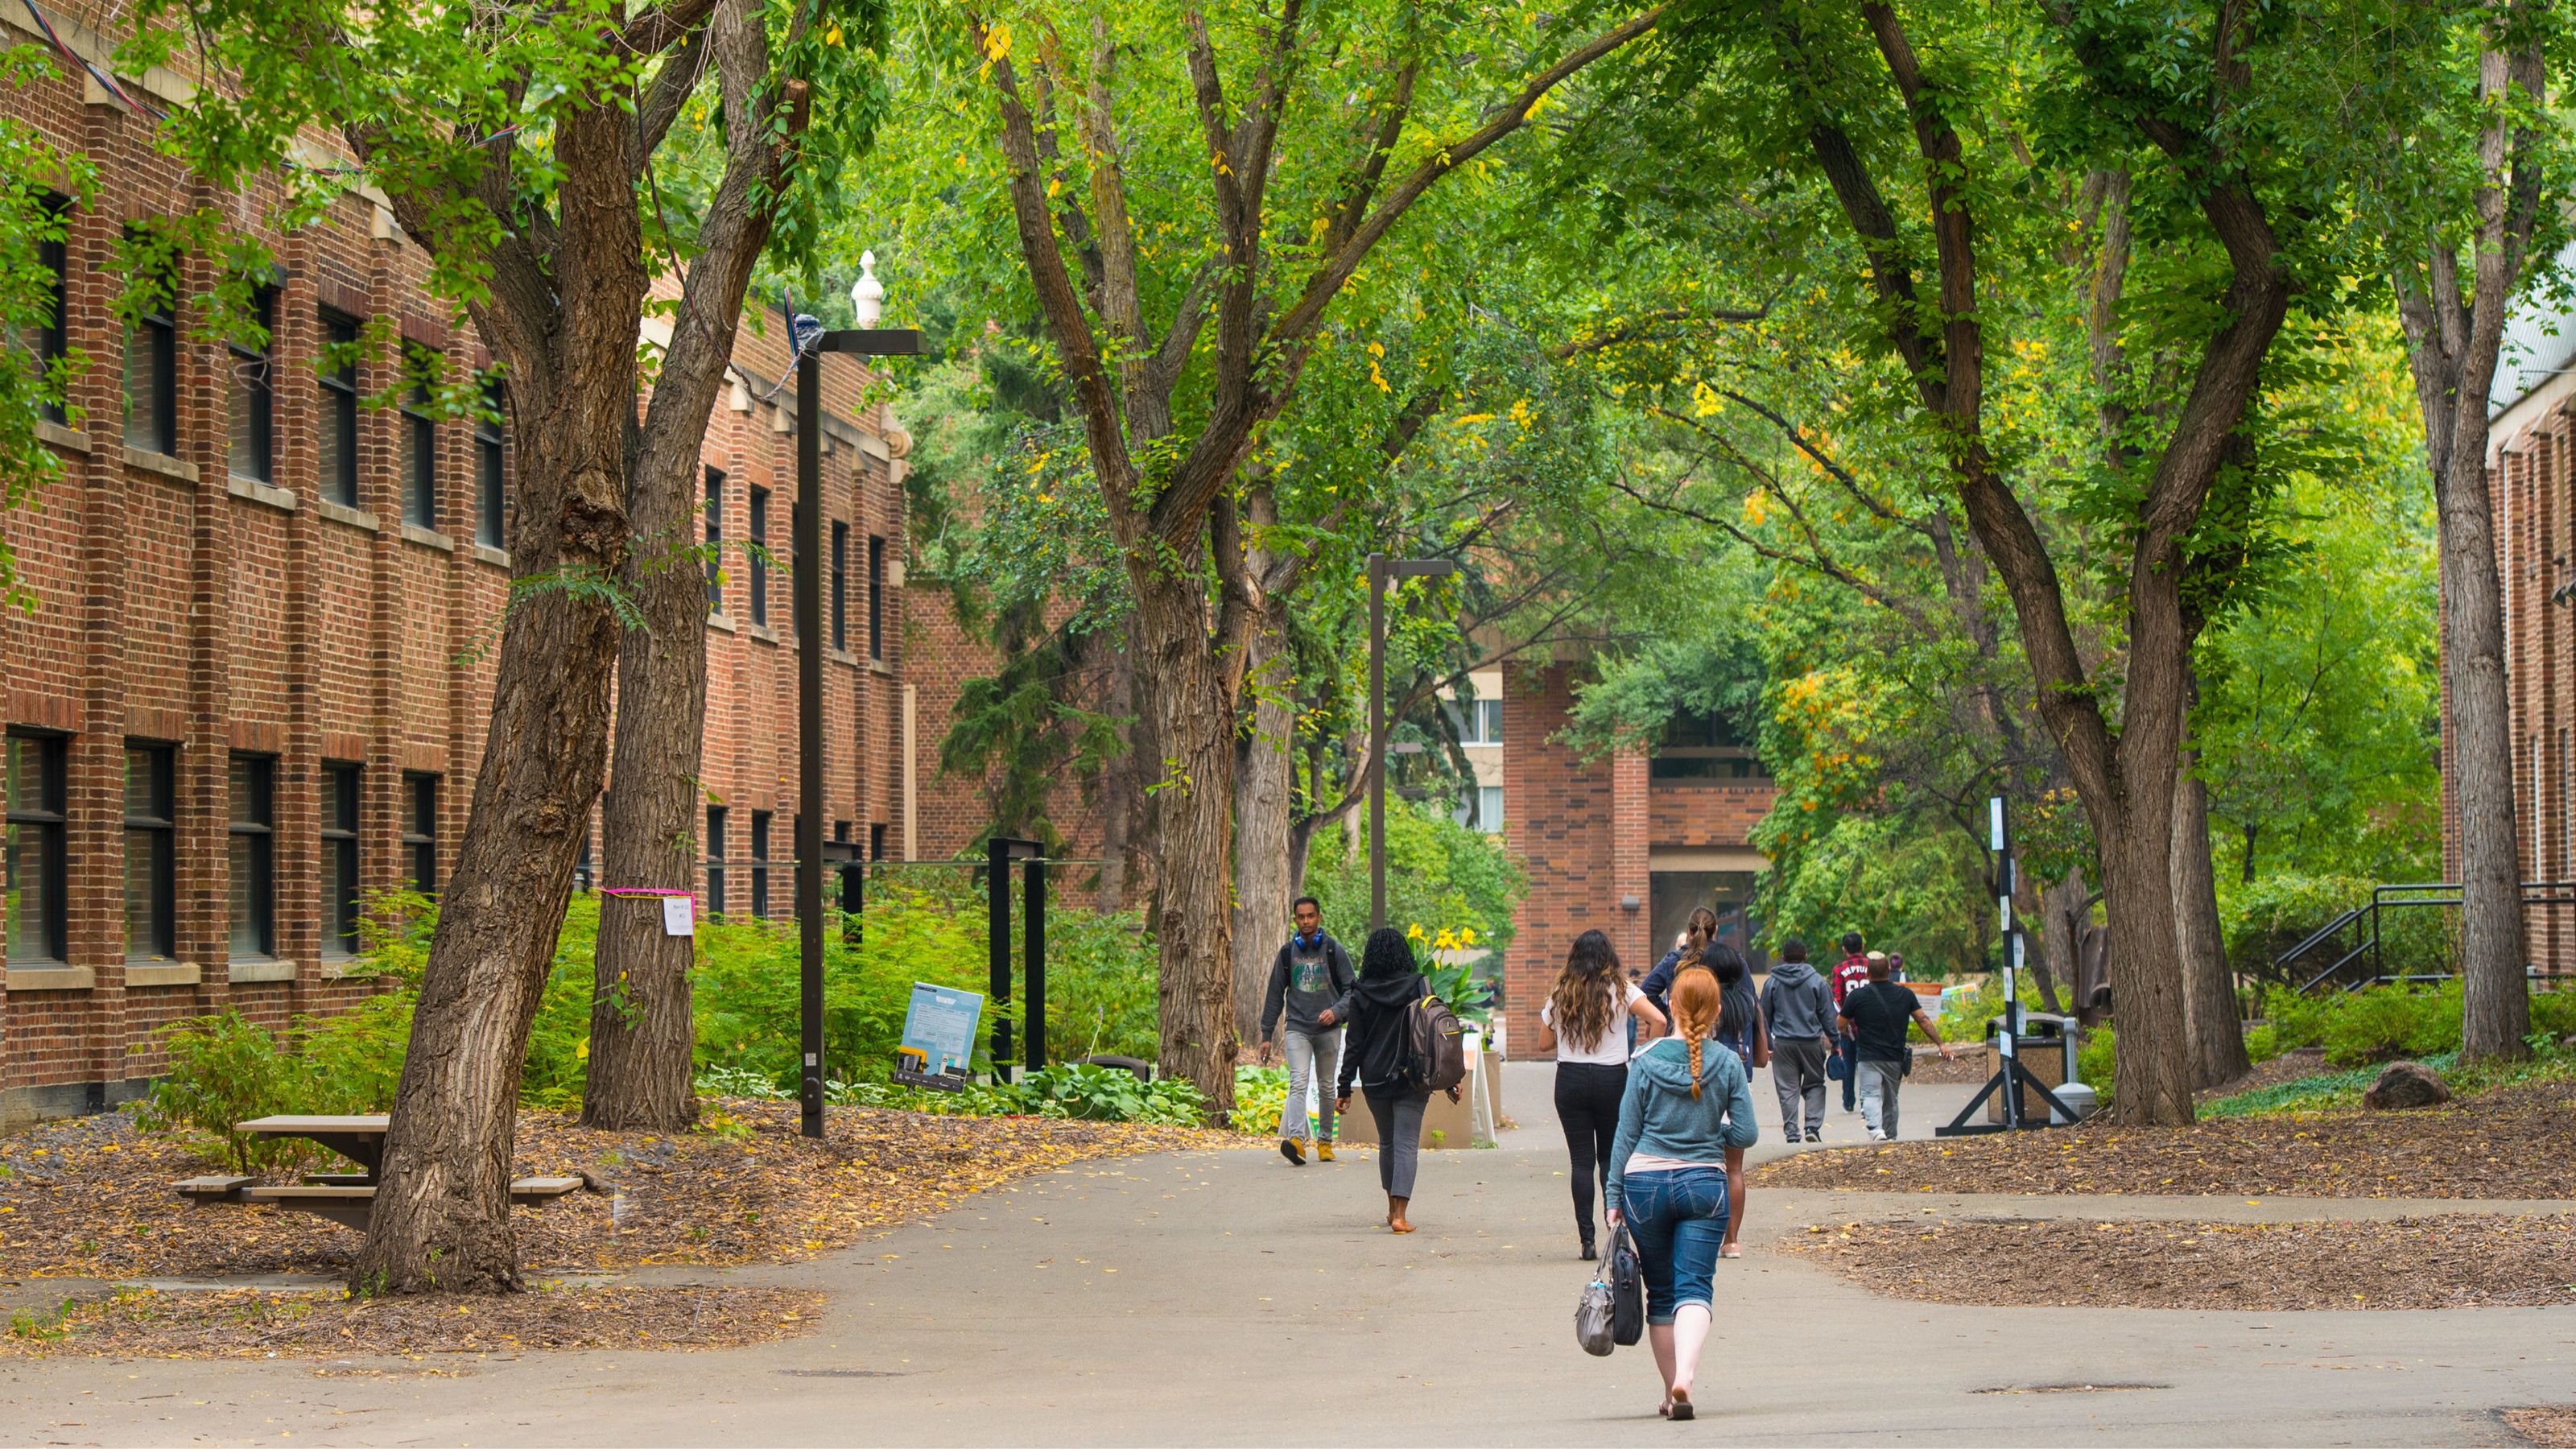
518	148
35	379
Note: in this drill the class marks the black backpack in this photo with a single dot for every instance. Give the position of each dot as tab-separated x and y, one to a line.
1435	1050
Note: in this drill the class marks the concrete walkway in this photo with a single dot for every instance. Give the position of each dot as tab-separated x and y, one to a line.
1224	1297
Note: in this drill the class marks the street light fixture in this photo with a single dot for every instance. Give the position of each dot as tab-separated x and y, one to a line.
1380	569
867	301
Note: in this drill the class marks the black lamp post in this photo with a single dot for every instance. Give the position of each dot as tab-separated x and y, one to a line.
865	340
1380	569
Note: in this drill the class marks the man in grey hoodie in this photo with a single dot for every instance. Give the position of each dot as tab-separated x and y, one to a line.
1311	981
1798	1009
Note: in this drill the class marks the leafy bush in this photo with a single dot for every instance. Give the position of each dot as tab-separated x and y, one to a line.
1260	1099
224	1070
2097	1059
2378	1023
1440	876
2269	916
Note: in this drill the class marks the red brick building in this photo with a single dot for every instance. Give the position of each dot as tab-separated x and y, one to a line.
1628	844
251	690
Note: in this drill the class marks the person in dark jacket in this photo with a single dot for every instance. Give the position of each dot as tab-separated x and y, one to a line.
1697	932
1739	1028
1311	981
1798	1009
1374	1061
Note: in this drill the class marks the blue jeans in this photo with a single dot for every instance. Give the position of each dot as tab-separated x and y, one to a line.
1679	1219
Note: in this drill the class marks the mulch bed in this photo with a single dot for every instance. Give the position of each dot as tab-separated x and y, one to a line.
2458	1260
2287	1067
90	1197
2550	1426
2513	1143
247	1323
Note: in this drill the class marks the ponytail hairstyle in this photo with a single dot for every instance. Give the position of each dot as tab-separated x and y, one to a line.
1585	991
1735	989
1697	932
1695	1012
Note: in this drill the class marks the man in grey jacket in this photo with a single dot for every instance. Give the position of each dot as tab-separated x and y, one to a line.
1798	1009
1311	982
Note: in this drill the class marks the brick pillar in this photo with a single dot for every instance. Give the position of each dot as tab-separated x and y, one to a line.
298	772
1628	877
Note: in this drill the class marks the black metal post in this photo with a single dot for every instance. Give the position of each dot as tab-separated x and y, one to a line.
809	728
997	934
1033	907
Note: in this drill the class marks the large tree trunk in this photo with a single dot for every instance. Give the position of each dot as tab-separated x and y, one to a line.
442	1211
2209	990
2152	1075
1185	693
1263	761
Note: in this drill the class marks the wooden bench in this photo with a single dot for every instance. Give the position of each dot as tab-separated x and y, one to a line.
349	1204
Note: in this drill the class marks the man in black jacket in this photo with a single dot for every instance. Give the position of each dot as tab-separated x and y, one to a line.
1311	981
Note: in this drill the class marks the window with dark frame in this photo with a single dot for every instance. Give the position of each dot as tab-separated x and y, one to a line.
877	841
420	831
251	855
491	470
251	395
151	852
760	862
715	860
581	868
420	442
34	858
152	370
715	540
337	435
759	555
876	597
340	860
840	585
44	342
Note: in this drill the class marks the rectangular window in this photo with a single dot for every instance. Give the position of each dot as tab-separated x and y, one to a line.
252	855
491	471
840	585
420	444
339	860
715	860
338	435
251	396
152	370
420	831
581	867
151	853
35	857
760	862
877	841
43	342
715	541
1489	809
876	597
759	555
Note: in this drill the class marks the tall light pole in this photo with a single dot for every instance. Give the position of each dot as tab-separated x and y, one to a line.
867	298
1380	569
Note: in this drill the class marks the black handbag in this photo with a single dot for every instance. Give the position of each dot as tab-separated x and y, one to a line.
1627	1290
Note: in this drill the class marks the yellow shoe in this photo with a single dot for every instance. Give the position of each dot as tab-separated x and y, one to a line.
1324	1151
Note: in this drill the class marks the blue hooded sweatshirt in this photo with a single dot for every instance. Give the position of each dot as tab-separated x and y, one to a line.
1658	1115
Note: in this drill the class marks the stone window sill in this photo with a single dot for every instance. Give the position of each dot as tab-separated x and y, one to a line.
49	431
428	538
724	622
498	558
245	971
343	513
761	632
879	666
163	973
842	656
48	978
257	492
161	463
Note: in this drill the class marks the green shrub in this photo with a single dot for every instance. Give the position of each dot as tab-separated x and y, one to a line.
1260	1099
2268	917
2097	1060
1101	975
225	1070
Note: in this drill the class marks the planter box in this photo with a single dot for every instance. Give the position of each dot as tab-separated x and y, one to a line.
1454	1122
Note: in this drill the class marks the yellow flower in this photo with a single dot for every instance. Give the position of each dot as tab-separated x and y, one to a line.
1448	940
1466	935
1414	932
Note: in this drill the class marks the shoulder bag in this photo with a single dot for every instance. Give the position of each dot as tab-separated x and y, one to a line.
1627	1290
1592	1315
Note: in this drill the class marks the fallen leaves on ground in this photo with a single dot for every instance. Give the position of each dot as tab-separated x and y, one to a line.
2511	1144
253	1324
2550	1426
90	1197
2452	1260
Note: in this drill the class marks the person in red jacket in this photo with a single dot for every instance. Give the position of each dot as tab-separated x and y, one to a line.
1849	975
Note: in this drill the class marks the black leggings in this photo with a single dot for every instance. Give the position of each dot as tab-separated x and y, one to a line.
1587	1104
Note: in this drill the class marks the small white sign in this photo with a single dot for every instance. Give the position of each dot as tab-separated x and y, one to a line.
679	916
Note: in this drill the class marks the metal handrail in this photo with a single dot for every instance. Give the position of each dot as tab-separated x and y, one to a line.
2384	897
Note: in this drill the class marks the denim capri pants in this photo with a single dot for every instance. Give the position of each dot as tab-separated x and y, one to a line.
1679	1219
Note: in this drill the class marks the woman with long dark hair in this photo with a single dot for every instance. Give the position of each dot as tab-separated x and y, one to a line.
1585	1022
1373	1058
1739	1027
1685	1107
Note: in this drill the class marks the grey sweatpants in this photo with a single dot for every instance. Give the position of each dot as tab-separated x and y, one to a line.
1798	1071
1316	1058
1879	1084
1399	1138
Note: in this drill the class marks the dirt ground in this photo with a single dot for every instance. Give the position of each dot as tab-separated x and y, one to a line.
248	1323
90	1197
2448	1261
2512	1143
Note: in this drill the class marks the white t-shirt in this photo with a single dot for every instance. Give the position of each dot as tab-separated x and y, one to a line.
1612	1049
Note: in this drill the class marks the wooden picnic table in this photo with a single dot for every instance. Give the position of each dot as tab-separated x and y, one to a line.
361	1139
343	1197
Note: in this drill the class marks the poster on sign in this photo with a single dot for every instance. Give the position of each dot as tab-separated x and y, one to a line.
679	916
940	1024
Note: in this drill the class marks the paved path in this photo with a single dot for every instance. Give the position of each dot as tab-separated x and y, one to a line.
1223	1297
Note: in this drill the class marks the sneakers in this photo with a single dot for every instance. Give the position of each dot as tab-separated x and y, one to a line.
1289	1148
1792	1138
1874	1135
1815	1134
1324	1151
